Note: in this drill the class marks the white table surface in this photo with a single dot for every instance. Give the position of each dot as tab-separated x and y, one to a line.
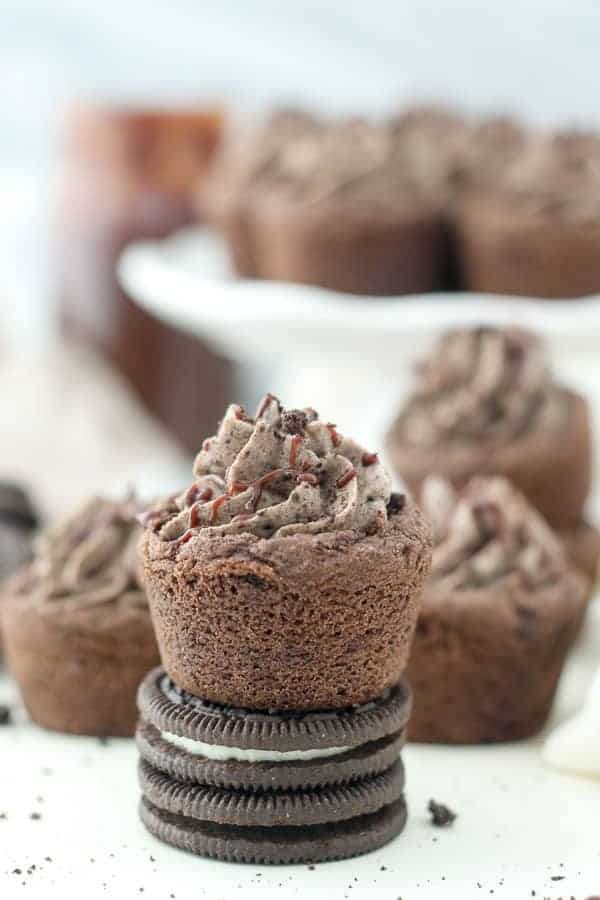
520	824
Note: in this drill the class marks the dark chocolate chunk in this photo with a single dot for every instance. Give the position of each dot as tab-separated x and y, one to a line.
441	815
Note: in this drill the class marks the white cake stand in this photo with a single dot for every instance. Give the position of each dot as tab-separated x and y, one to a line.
348	354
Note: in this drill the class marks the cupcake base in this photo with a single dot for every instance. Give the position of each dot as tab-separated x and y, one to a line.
505	249
78	668
485	662
351	247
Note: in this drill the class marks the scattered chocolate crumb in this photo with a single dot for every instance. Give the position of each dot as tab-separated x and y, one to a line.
48	858
557	878
5	714
103	741
17	872
441	815
3	815
311	868
152	859
35	816
383	868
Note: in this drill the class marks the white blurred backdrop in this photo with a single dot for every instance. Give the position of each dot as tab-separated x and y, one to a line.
535	57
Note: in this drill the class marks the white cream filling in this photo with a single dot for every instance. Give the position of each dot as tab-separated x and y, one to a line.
222	754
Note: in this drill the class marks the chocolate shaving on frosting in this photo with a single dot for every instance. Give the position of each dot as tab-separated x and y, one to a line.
487	532
90	557
482	383
282	473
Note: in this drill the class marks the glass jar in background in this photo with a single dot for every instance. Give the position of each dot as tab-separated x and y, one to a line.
129	174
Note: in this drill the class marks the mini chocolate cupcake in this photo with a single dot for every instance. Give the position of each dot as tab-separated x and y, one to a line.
348	210
288	575
536	232
78	635
485	401
500	611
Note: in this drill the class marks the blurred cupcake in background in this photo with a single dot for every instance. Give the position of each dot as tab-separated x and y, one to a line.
535	231
77	630
340	204
485	401
251	153
500	611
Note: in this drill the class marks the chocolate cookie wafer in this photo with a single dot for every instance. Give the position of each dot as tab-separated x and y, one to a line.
291	844
197	741
274	826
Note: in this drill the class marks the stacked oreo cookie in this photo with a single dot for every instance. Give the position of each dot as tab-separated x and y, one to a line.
258	787
284	587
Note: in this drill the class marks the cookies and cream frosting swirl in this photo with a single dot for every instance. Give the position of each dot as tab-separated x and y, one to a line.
281	473
486	532
89	558
559	175
481	383
312	159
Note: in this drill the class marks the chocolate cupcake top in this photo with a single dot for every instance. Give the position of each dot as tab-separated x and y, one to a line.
340	156
484	383
310	160
488	532
88	558
251	153
281	473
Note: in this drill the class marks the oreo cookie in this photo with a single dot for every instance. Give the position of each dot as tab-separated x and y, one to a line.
263	846
270	786
199	741
16	507
18	520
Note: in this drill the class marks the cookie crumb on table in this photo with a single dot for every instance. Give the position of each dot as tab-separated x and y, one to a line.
441	815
